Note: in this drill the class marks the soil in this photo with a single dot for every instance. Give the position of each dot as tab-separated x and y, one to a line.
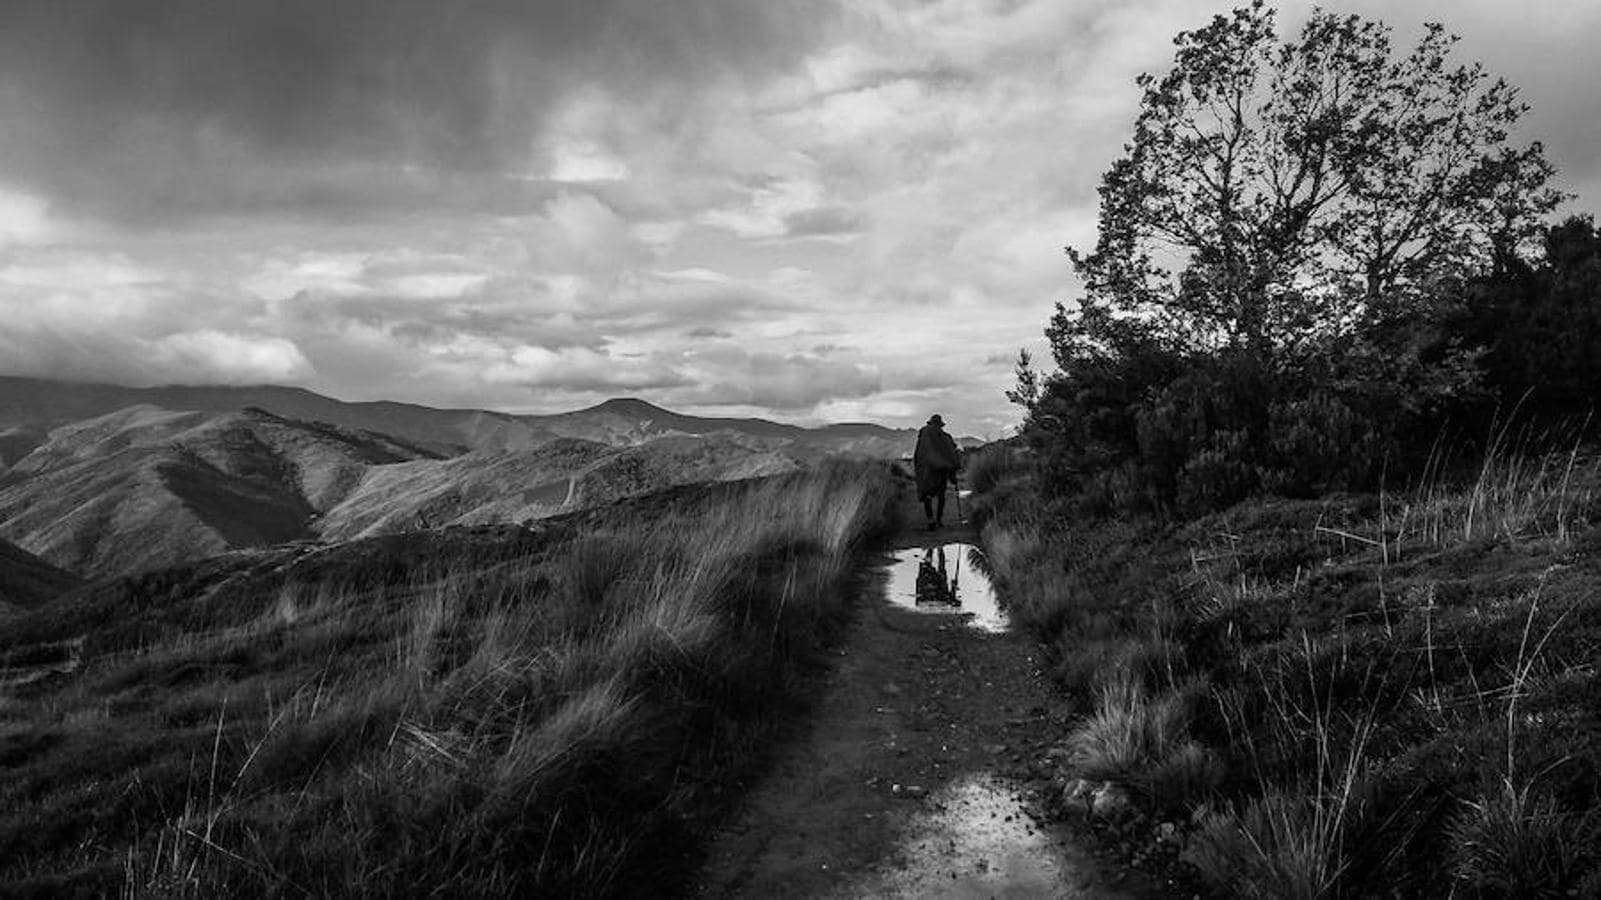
922	771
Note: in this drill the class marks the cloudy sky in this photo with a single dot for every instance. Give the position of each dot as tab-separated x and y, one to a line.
790	208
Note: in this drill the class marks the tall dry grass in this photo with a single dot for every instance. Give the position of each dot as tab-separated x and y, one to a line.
551	716
1346	696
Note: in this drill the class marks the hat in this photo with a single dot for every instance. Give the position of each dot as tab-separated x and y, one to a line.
936	420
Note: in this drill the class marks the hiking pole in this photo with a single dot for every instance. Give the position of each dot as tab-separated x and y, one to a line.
956	580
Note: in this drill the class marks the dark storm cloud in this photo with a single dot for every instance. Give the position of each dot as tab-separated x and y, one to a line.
135	106
823	220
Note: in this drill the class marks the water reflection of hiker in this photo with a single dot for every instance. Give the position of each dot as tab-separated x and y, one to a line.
935	462
933	584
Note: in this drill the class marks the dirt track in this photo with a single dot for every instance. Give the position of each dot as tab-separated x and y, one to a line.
916	775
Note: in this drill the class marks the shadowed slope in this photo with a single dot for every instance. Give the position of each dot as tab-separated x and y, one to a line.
26	580
146	487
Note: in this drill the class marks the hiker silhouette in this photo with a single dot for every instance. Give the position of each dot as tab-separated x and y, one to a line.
935	587
935	463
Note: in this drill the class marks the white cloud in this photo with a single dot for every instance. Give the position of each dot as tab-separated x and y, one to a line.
229	358
24	219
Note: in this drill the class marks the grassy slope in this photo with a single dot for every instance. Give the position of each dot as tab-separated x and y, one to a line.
470	711
1344	697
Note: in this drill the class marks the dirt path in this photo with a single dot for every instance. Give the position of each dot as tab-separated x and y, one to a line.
915	776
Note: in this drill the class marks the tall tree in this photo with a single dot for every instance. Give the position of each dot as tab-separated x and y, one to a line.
1275	191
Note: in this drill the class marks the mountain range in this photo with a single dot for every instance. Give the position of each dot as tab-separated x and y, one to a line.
103	480
30	407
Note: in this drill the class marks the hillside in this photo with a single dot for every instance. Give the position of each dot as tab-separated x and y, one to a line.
29	407
26	580
145	487
564	475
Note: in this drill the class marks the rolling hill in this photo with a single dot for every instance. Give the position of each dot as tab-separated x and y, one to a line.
104	480
29	407
145	487
564	475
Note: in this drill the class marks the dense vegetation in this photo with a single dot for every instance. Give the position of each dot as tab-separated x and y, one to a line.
1319	262
1308	511
464	712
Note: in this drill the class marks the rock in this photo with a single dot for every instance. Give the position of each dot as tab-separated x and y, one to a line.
1112	802
1079	794
1167	833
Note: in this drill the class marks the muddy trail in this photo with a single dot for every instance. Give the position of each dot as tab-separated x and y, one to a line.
921	770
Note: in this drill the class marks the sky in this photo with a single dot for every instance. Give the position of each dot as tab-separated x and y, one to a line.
804	210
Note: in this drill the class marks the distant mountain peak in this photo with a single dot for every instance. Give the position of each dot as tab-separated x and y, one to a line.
629	406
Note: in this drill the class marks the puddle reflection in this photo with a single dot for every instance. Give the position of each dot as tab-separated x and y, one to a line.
944	580
974	840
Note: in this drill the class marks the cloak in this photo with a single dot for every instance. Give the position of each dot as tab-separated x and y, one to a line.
935	459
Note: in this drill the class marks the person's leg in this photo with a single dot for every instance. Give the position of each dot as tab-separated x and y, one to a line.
928	509
939	513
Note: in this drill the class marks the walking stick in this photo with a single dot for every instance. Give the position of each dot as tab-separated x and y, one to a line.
956	580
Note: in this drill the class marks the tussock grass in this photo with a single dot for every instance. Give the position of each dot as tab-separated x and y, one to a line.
1143	740
473	712
1354	696
1512	841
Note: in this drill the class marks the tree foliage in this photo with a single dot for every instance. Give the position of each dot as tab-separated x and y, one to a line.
1275	192
1311	260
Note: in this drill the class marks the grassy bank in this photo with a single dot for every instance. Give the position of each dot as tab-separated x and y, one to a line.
463	712
1385	695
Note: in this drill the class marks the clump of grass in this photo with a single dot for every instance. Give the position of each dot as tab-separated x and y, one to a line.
1280	846
1513	842
1150	663
1144	740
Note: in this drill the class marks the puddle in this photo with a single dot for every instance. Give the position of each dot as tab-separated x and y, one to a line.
943	581
975	840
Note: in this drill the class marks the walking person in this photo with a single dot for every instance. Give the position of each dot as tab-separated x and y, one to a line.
935	462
